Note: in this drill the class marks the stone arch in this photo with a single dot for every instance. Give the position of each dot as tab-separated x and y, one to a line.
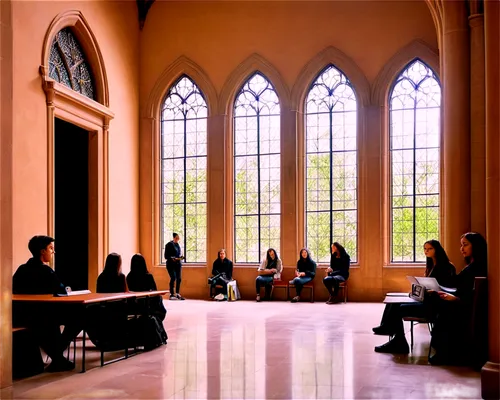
181	66
416	49
81	29
254	63
335	57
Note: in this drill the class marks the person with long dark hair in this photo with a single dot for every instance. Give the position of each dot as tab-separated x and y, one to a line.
438	266
269	270
140	280
306	271
337	272
222	272
111	279
454	310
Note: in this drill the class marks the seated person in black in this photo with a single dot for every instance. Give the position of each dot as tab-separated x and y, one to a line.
140	280
36	277
111	279
454	310
306	270
338	271
222	271
437	266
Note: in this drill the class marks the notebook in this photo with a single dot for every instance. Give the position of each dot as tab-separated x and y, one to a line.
429	284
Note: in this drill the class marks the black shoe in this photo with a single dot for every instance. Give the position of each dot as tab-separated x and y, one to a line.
395	346
296	299
442	359
382	330
60	366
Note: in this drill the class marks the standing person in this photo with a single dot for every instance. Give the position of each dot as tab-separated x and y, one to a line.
173	255
222	271
438	266
306	270
36	277
269	270
337	272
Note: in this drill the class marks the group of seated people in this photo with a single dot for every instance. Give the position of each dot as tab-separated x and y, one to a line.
271	268
37	277
448	310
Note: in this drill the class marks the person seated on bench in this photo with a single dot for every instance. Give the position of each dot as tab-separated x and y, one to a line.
222	272
306	270
269	270
111	279
36	277
454	310
437	266
338	271
140	280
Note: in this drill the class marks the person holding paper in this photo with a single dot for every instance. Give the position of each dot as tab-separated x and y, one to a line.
449	336
173	255
306	271
439	266
269	270
222	272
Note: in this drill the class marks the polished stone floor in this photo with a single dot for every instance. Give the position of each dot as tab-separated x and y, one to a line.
268	350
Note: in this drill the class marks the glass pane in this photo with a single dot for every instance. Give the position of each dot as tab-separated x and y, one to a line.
415	158
184	168
256	170
331	165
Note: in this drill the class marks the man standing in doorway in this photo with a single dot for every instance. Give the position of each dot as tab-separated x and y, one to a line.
173	255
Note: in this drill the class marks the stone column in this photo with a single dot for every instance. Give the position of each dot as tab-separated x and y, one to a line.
478	124
456	133
217	189
490	381
289	193
6	222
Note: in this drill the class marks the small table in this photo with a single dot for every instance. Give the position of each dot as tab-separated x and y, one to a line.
399	300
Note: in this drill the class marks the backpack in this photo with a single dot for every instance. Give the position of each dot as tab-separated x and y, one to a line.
150	332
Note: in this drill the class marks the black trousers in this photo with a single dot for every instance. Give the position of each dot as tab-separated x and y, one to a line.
220	281
175	272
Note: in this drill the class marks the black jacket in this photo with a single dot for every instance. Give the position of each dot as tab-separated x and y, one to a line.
141	282
35	277
224	267
464	281
308	266
172	250
340	266
444	274
108	283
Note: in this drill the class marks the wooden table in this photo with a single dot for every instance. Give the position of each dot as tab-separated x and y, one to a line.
85	300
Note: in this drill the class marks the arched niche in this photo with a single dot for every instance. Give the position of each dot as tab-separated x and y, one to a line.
93	116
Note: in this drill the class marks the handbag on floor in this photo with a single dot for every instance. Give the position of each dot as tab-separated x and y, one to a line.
232	291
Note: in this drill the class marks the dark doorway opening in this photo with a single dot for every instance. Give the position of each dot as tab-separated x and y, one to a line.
71	204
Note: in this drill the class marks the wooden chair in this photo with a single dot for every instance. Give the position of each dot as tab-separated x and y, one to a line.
214	290
278	284
343	287
415	321
308	285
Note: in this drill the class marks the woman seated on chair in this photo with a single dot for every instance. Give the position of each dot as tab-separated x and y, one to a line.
438	266
306	270
111	280
222	272
269	270
337	272
454	310
140	280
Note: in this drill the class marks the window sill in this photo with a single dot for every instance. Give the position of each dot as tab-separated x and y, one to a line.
405	265
184	265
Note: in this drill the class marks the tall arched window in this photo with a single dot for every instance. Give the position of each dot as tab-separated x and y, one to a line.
414	104
331	165
67	64
256	170
184	168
